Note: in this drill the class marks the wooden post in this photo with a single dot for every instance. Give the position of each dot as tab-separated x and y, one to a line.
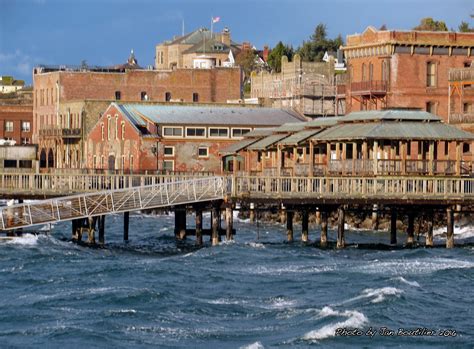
304	225
324	228
91	230
458	158
282	214
375	217
77	230
450	230
229	219
431	158
289	225
252	212
375	154
279	161
198	227
393	226
318	217
340	227
126	220
403	152
429	233
311	159
410	229
215	226
102	230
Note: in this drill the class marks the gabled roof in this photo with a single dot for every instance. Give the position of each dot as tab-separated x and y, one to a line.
236	147
390	115
266	142
140	114
260	132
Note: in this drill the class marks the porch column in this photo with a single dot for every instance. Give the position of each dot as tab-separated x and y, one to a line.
234	164
403	153
375	152
311	159
262	161
431	158
458	158
278	160
344	157
328	157
295	159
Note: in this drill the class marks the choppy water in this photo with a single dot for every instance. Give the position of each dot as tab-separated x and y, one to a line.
150	293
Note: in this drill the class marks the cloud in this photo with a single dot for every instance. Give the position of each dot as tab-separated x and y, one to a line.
16	63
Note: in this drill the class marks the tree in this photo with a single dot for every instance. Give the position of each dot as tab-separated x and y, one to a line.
383	27
314	49
429	24
246	59
274	58
464	28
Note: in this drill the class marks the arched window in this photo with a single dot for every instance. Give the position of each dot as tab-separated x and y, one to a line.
123	130
116	127
108	127
168	96
363	72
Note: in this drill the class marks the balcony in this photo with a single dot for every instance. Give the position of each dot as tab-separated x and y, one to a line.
461	74
56	131
461	118
340	90
373	87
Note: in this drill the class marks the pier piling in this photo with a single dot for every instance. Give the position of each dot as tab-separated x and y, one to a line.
199	227
229	218
410	229
450	226
393	226
304	225
252	213
324	228
91	222
429	232
126	220
101	230
375	217
180	224
318	217
215	226
340	227
289	225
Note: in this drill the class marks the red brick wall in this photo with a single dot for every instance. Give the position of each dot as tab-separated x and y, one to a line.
17	114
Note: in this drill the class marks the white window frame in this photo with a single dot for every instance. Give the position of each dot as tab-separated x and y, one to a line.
219	128
7	124
116	127
172	167
173	127
200	128
25	129
169	147
108	127
123	130
203	156
238	128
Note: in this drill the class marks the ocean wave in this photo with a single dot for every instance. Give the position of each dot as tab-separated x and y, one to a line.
377	294
460	232
408	282
354	319
290	269
255	245
256	345
24	240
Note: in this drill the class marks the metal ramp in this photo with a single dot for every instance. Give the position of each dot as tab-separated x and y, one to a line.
112	201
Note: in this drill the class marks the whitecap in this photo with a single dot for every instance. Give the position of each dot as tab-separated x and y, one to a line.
408	282
256	345
24	240
377	294
463	231
354	319
255	244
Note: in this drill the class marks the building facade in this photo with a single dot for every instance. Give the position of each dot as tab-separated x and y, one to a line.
9	85
198	47
307	87
67	102
138	137
461	94
393	69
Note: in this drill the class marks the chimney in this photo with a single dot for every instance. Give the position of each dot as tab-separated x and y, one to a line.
266	52
225	36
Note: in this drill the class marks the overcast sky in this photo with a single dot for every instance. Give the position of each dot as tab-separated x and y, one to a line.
103	32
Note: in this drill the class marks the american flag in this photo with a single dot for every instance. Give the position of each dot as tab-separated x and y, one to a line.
215	19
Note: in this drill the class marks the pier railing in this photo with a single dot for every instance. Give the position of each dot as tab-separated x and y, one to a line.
353	188
163	194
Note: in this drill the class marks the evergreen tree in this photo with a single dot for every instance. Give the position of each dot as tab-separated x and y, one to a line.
429	24
274	58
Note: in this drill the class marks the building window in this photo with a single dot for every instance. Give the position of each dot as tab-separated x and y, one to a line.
468	64
108	127
371	72
173	131
168	151
25	140
122	164
203	152
219	132
239	132
143	96
118	96
168	165
123	130
116	127
168	96
102	161
102	130
467	108
195	132
431	74
25	126
131	162
466	148
195	97
94	162
8	126
431	107
363	72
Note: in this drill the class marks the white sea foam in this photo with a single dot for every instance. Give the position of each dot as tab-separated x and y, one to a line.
354	319
255	244
408	282
281	303
256	345
377	294
24	240
290	269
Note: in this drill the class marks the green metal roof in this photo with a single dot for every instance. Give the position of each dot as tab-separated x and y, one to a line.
236	147
391	114
266	142
296	138
291	127
409	130
323	122
260	132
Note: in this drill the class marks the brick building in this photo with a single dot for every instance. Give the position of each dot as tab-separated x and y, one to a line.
307	87
138	137
200	47
68	101
390	69
16	116
461	93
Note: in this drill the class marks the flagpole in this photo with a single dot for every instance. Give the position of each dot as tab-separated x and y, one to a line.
212	25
